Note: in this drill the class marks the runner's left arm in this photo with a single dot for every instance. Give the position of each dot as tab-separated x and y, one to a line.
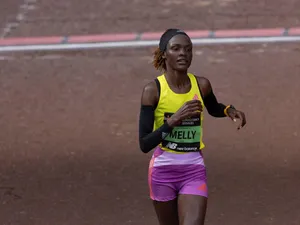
214	108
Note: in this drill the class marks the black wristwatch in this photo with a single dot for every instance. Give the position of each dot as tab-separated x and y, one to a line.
231	107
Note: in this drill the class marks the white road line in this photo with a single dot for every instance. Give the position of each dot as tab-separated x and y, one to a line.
126	44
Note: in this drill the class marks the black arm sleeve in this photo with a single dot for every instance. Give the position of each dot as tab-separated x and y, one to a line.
213	107
149	139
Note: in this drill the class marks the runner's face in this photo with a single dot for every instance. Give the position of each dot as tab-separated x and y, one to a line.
179	53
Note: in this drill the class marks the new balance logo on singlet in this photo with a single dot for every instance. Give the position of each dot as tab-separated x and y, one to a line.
171	145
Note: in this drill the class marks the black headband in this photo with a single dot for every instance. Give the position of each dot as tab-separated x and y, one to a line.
167	36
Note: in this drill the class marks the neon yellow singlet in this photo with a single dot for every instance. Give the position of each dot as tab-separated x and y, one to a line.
187	136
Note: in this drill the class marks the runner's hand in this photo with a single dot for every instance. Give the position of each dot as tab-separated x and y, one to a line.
188	109
235	114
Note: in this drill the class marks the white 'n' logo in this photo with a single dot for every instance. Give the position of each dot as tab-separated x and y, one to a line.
171	145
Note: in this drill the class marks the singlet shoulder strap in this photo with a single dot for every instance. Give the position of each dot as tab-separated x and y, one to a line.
158	88
198	86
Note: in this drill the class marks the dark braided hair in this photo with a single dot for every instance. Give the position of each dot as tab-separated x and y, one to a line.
158	61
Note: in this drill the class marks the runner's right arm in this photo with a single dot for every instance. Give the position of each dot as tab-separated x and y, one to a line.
149	139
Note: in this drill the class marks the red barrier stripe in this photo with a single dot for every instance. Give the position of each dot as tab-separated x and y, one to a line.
249	33
30	41
192	34
102	38
294	31
151	36
199	33
148	36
